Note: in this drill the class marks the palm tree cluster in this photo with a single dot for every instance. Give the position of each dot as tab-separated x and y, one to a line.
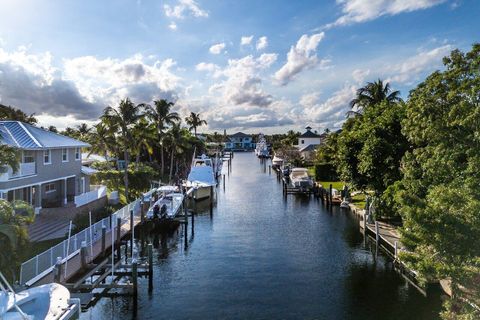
371	94
142	133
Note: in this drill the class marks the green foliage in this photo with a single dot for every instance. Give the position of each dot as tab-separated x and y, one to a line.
82	221
139	178
440	200
371	147
325	166
194	121
11	113
8	157
14	218
325	172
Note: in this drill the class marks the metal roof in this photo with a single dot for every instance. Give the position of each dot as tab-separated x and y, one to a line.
309	134
25	136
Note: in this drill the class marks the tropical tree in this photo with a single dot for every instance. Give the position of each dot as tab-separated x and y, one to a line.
14	218
11	113
371	94
144	137
121	121
9	157
194	121
440	191
83	131
162	116
102	140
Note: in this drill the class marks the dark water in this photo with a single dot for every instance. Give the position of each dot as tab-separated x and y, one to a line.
260	257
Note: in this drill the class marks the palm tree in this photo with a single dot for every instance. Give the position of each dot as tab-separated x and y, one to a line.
371	94
162	117
9	157
194	121
102	140
14	218
121	121
177	140
83	131
144	136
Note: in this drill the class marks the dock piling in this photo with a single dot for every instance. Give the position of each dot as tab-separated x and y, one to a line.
135	284
57	275
104	233
83	254
150	267
132	231
377	234
119	235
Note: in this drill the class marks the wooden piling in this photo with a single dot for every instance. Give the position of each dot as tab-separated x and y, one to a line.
132	233
150	267
119	227
104	236
223	178
269	169
377	234
135	284
330	194
211	198
83	255
396	250
57	275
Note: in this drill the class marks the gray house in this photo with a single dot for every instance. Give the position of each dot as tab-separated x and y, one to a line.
50	172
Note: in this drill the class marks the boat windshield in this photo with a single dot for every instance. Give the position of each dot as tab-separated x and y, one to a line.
203	163
300	174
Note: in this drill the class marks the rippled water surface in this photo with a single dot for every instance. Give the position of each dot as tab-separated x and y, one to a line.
260	257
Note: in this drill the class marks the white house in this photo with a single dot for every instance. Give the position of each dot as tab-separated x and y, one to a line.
308	143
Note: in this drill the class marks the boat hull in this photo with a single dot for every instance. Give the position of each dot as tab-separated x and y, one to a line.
202	193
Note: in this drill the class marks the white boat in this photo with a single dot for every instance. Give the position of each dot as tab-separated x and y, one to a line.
201	177
299	179
261	149
168	204
49	301
277	162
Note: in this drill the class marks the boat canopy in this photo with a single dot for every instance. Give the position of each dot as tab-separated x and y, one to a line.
202	175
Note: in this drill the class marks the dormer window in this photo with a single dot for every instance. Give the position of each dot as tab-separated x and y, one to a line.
64	155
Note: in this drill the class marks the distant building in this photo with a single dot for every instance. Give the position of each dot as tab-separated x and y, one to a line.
50	172
239	141
308	143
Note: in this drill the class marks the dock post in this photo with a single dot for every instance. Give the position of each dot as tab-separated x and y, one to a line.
330	194
135	284
104	236
223	178
185	210
57	274
211	198
269	169
396	250
119	226
150	267
83	255
365	218
377	235
132	232
142	212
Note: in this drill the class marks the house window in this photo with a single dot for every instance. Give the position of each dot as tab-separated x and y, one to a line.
47	157
50	187
77	153
64	155
28	157
303	141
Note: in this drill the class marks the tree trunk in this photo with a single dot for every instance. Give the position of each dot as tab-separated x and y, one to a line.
162	161
125	174
171	165
195	129
105	154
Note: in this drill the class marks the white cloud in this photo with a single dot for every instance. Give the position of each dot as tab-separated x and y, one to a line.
217	48
359	75
183	8
262	43
245	40
300	57
109	80
356	11
330	112
413	67
172	26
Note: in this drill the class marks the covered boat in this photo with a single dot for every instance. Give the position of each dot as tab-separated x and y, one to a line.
201	177
299	179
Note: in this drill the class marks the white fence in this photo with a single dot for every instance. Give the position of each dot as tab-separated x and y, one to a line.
43	262
90	196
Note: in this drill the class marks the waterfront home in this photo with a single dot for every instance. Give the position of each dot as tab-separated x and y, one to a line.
239	141
50	172
308	143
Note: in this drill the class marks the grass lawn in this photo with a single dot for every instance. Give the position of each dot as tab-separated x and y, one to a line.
335	184
311	171
35	248
359	200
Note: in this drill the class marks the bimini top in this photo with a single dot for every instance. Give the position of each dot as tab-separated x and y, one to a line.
202	175
25	136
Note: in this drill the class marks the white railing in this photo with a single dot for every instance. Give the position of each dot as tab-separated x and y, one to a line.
24	169
43	262
87	197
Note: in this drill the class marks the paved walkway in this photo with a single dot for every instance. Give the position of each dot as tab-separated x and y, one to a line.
51	224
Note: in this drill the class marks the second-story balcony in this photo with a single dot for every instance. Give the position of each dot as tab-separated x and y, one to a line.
24	169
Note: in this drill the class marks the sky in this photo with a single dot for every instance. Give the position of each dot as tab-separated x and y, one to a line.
252	66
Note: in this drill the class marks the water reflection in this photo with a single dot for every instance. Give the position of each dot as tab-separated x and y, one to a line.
254	255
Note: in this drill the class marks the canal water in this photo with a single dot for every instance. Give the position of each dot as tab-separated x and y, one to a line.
258	256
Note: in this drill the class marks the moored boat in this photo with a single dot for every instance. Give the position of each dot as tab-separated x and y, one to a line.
201	177
300	179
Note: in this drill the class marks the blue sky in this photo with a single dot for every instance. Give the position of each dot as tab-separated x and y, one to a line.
244	65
